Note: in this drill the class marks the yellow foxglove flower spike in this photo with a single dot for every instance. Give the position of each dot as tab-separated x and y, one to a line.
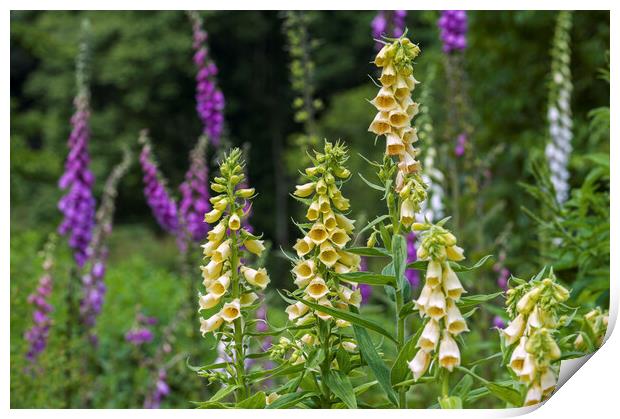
322	252
534	307
437	300
229	283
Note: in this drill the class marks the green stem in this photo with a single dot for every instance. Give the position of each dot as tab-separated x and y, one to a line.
242	391
400	322
400	337
455	195
445	384
72	314
324	338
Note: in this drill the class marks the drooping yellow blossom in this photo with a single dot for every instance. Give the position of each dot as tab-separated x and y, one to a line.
438	301
533	307
230	286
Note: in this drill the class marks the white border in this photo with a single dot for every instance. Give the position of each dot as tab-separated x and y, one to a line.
593	392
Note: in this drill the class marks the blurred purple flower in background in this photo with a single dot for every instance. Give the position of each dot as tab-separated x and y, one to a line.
461	143
140	333
38	334
139	336
162	205
502	271
78	204
93	286
160	390
195	193
453	30
499	322
365	289
390	23
209	98
413	276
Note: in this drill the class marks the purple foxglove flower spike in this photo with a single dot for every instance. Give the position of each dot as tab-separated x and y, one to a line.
209	98
38	333
453	30
93	286
195	193
78	204
162	205
390	23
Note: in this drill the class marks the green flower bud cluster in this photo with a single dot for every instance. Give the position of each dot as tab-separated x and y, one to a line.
594	327
437	242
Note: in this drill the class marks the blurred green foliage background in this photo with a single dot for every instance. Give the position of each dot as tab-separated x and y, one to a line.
143	77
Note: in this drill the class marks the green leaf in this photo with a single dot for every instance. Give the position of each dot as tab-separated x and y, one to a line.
462	268
472	300
349	316
419	265
203	368
277	331
284	369
385	237
399	257
505	393
223	392
372	185
212	405
461	389
450	402
256	401
372	224
400	369
344	360
388	270
362	388
315	358
341	386
367	278
369	251
289	400
502	391
374	361
406	309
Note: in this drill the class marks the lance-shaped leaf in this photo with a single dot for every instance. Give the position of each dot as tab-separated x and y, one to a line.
290	400
256	401
374	361
341	386
367	278
473	300
399	258
369	251
353	318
